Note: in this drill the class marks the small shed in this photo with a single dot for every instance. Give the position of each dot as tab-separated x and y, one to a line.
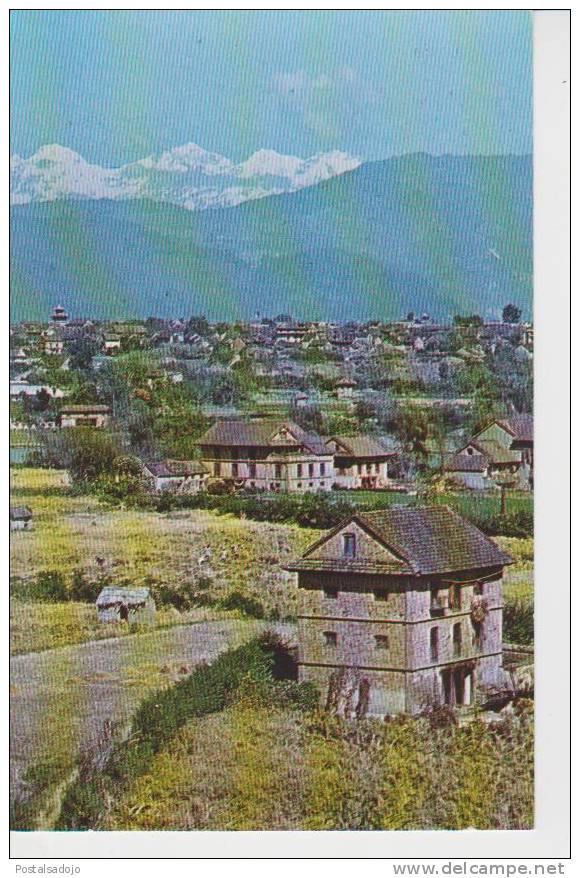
116	604
20	518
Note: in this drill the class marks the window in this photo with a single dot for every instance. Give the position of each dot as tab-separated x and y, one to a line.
322	469
330	592
277	470
381	595
311	470
330	638
478	589
252	469
359	468
454	597
437	600
368	467
299	485
299	470
217	468
234	470
457	638
348	545
434	644
381	641
477	634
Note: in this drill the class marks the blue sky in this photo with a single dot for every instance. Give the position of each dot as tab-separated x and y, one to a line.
116	86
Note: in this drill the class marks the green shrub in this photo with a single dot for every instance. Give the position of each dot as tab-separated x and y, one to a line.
48	585
208	689
249	606
518	621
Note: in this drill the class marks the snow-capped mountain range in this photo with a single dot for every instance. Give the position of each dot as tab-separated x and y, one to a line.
188	176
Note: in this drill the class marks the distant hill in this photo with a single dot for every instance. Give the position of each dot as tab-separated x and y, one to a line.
441	235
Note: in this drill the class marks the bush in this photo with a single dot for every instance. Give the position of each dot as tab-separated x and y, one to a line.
48	585
249	606
81	589
518	621
208	689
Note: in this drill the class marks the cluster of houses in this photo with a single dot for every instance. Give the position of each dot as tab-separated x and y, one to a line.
278	455
273	455
502	453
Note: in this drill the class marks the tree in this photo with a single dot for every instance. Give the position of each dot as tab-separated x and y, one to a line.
81	352
198	325
468	320
511	314
89	453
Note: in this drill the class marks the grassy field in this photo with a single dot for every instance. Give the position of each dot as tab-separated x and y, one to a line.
140	548
469	503
37	626
255	767
154	549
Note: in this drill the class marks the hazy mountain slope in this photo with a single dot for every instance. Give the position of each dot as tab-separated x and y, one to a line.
443	235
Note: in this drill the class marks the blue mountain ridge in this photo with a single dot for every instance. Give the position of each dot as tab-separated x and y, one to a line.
442	235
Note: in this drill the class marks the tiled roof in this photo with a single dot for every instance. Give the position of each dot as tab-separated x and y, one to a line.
169	468
85	409
20	513
259	432
361	446
466	463
495	451
520	426
112	596
428	540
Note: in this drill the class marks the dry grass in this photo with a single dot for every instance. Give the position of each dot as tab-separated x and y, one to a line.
35	627
150	548
256	768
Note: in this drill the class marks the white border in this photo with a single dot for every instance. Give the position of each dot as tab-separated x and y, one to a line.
550	838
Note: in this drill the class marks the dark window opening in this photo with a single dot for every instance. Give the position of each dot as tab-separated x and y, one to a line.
330	592
454	597
381	641
434	644
457	638
330	638
437	600
349	545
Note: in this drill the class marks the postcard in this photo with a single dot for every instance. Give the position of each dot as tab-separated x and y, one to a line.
272	421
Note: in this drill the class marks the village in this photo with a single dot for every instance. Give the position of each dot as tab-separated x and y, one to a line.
362	491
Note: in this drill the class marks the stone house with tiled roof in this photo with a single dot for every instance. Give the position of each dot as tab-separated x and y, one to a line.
359	462
401	611
267	454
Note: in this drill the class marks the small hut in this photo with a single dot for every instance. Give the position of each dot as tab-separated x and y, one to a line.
20	518
115	604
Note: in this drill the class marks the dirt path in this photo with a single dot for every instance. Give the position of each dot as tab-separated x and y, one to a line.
60	699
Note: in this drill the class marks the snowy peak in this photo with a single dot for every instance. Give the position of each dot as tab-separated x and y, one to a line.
187	175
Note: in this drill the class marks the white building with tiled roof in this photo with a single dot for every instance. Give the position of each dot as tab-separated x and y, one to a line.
266	454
